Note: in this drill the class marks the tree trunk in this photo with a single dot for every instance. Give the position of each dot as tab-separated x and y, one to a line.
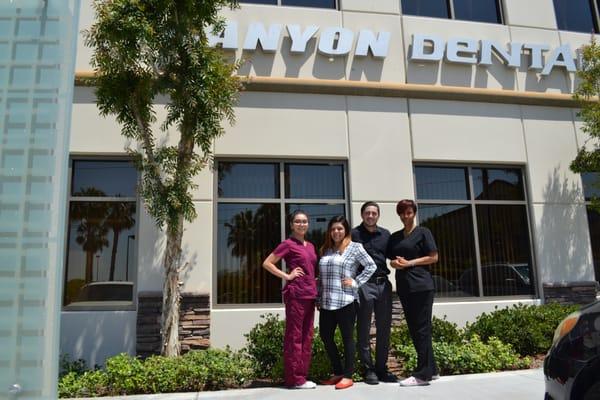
113	255
171	294
89	266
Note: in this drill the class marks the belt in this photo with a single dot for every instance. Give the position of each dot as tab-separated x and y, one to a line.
378	279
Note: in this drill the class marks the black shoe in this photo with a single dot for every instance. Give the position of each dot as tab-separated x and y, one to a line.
387	377
371	378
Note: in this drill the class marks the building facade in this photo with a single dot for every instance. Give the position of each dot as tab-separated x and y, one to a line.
465	106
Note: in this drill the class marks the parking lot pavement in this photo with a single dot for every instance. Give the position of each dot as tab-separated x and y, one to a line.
512	385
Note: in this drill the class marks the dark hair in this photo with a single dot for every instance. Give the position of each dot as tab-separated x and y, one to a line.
329	242
404	204
294	214
369	204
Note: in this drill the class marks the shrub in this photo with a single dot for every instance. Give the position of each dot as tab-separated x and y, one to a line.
265	344
442	331
529	329
66	365
86	384
468	356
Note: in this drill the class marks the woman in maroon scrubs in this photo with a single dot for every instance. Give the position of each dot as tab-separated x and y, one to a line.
299	295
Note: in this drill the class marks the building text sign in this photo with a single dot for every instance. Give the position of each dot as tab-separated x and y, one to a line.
339	41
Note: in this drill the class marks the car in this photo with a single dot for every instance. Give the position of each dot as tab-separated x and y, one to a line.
572	365
499	279
99	293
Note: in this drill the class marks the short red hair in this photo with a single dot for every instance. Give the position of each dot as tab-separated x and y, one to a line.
404	204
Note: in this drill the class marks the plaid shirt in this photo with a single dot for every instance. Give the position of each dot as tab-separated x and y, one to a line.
333	267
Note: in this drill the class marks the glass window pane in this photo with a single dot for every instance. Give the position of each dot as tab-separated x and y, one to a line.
273	2
498	184
314	181
477	10
318	218
574	15
310	3
441	183
248	180
104	178
591	185
504	250
594	225
246	235
455	275
101	253
429	8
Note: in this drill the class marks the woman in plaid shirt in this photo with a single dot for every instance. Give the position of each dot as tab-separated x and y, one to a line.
338	293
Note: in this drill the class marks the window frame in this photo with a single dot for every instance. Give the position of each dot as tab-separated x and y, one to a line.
108	306
281	200
452	14
337	5
472	203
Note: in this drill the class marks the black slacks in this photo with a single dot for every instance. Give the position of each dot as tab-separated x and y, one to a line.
345	318
418	311
374	298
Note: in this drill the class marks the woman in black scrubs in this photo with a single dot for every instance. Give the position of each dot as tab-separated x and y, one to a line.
412	250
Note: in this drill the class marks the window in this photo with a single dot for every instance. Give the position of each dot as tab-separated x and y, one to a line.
478	216
591	190
468	10
101	234
298	3
254	199
577	15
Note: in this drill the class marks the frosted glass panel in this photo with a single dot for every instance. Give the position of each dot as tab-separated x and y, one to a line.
37	58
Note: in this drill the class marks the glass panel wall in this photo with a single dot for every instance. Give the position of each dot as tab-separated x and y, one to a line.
576	15
484	243
467	10
251	220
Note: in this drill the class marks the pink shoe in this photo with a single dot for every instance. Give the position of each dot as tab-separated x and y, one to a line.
412	381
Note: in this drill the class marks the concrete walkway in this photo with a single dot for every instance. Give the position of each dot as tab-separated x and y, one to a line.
512	385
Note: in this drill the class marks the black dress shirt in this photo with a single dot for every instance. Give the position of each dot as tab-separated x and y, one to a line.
375	243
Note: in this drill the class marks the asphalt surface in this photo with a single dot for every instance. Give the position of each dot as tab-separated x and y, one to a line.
512	385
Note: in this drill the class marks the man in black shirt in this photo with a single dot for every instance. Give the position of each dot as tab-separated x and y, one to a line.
375	296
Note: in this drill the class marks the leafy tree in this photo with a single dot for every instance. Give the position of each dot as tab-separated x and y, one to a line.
156	51
588	156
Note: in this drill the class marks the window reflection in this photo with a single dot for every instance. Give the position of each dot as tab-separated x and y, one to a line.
309	3
442	183
314	181
477	10
431	8
575	15
248	180
452	228
104	178
591	185
594	226
247	233
497	184
318	218
272	2
100	252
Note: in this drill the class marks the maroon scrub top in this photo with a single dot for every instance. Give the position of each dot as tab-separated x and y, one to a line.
295	255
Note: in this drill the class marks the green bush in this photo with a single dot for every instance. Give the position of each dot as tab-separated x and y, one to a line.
195	371
66	365
529	329
468	356
442	331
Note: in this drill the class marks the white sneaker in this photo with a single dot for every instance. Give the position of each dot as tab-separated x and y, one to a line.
306	385
435	377
412	381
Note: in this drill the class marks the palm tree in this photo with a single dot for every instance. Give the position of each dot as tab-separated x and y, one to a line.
119	218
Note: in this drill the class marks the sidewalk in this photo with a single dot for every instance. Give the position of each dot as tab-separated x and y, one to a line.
512	385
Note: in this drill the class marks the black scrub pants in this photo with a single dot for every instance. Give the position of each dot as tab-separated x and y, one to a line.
375	298
328	321
418	311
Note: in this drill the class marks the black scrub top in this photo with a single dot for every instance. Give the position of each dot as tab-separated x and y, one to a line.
419	243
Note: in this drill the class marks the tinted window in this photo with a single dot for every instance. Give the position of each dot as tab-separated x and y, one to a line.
318	218
309	3
590	185
104	178
594	225
314	181
248	180
430	8
575	15
477	10
273	2
441	183
497	184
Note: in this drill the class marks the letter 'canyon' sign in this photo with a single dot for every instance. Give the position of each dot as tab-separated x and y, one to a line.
338	41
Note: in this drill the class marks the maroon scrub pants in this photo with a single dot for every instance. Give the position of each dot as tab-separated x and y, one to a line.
297	342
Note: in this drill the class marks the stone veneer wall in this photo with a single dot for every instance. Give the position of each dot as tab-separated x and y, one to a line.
194	323
570	292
